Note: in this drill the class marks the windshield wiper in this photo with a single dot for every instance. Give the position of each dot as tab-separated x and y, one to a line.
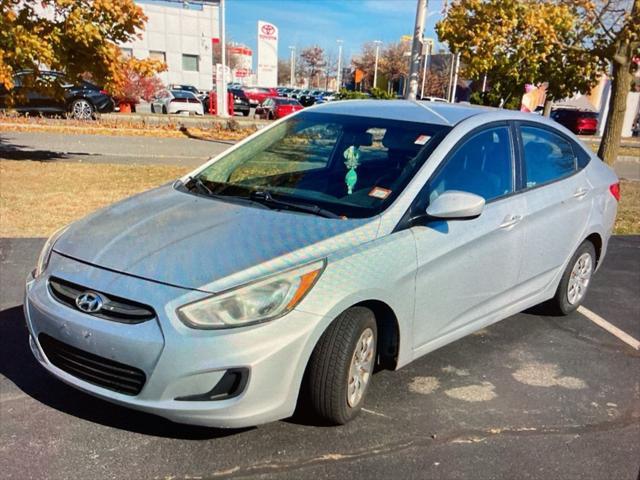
200	186
264	197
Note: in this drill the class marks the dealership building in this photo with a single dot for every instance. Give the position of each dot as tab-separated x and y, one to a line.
181	34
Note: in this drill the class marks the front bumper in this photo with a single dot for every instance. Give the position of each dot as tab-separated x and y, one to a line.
178	361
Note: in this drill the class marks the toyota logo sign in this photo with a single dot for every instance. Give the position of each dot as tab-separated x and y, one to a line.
268	29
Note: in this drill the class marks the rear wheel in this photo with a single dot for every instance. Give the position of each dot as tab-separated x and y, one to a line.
341	365
153	109
164	109
82	109
575	281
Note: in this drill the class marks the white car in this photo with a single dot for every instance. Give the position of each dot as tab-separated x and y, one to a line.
177	101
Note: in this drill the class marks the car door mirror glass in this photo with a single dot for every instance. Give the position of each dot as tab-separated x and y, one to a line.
454	204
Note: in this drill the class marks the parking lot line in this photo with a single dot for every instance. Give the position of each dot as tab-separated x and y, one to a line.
612	329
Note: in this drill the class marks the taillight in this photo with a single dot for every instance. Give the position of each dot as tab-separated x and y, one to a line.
614	188
104	92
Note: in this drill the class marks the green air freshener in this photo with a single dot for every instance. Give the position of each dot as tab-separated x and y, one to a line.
351	154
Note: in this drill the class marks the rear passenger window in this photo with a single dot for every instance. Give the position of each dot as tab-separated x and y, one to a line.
547	156
481	165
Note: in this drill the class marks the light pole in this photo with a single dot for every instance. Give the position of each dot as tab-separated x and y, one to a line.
375	66
428	43
416	50
454	83
339	76
292	63
223	110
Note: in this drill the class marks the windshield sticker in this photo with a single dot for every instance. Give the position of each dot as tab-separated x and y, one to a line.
351	155
379	192
422	139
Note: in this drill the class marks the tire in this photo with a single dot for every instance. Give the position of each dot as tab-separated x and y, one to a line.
332	388
575	281
164	109
153	110
82	109
246	113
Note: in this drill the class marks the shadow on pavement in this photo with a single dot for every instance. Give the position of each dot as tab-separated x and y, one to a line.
11	151
20	367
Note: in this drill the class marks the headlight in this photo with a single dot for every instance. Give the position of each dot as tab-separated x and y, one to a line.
45	253
255	302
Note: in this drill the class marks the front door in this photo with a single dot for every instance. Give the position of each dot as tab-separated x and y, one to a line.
467	269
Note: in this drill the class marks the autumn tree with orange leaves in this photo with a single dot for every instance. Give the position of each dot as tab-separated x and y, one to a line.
77	37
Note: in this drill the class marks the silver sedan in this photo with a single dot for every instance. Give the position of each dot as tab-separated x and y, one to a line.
347	238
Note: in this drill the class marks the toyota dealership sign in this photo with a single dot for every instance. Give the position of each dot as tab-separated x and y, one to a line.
267	54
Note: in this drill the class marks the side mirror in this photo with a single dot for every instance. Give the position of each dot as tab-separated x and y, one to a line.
453	204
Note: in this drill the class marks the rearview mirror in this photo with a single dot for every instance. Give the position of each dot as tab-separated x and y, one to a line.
453	204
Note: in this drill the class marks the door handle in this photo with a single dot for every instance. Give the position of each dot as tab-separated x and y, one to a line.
580	192
510	221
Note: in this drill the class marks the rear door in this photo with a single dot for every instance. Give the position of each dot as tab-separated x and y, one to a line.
467	268
558	197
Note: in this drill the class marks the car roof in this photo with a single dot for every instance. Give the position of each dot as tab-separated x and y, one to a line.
447	114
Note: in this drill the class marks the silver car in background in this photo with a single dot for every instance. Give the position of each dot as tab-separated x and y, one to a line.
350	237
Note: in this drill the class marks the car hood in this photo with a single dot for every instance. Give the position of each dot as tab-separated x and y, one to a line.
194	242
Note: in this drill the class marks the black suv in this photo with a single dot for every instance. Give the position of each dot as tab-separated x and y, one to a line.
51	92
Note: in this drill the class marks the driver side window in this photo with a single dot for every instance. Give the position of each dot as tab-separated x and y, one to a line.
483	165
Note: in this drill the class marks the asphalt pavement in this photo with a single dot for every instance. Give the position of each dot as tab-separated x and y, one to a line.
189	152
530	397
47	146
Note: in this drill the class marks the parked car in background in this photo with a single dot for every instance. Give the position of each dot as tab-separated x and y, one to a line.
257	95
177	101
352	237
241	103
434	99
188	88
306	98
277	107
580	122
52	93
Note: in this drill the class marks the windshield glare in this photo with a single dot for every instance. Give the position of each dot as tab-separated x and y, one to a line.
352	166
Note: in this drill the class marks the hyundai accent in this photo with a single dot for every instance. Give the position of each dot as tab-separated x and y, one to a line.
347	238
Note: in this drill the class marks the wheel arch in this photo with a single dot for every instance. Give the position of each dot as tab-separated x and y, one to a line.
596	240
388	333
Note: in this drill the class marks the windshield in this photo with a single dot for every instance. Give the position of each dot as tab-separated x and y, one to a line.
348	165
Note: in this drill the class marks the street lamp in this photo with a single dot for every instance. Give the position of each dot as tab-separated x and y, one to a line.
375	68
292	63
223	108
339	79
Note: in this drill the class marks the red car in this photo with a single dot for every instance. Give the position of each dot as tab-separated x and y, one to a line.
580	122
277	107
257	95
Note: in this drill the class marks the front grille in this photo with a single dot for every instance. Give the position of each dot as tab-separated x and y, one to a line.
92	368
113	308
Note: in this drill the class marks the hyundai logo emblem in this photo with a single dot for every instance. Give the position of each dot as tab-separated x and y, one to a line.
89	302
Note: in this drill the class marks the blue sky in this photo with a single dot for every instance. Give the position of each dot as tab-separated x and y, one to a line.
320	22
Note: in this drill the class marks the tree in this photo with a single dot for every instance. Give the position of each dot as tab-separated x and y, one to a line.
312	61
519	42
394	61
78	37
619	41
284	71
366	62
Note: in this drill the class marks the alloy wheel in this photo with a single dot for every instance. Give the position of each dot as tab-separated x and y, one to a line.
580	278
361	367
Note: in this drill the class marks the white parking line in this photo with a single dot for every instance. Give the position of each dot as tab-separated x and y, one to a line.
612	329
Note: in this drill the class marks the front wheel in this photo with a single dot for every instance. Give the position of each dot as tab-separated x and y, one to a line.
341	366
575	281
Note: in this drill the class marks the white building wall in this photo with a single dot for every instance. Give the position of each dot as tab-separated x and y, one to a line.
176	31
